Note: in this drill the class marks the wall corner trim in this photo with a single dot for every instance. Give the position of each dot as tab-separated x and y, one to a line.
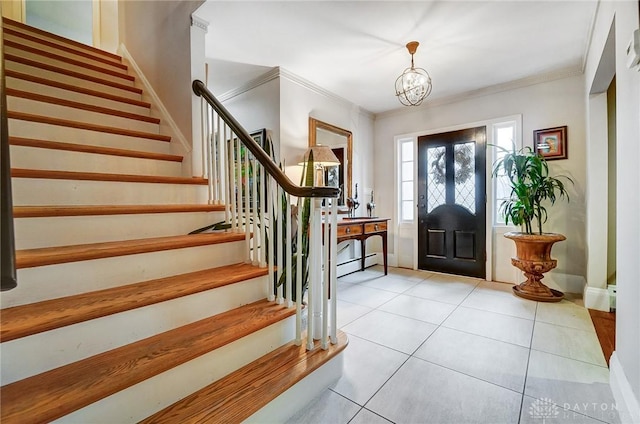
627	404
596	298
198	22
164	113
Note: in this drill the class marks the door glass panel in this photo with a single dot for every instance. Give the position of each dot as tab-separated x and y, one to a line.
465	171
436	177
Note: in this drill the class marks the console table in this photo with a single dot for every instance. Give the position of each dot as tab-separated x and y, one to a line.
361	229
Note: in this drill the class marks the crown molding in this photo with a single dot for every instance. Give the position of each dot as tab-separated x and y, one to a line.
279	72
198	22
486	91
268	76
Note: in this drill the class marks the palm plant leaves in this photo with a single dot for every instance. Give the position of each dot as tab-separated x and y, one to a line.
531	185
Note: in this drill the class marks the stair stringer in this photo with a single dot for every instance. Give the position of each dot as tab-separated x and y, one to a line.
143	399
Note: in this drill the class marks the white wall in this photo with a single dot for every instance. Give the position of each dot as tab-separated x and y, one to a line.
299	102
543	105
157	35
625	363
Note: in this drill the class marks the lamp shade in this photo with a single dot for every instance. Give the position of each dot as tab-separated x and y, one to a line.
322	156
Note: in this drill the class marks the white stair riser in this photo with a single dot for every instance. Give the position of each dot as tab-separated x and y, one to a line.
298	396
20	84
33	233
60	280
42	191
40	131
64	160
25	357
18	104
70	66
166	388
58	42
66	53
66	79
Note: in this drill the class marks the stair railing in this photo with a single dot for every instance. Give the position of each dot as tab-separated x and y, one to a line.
7	240
258	199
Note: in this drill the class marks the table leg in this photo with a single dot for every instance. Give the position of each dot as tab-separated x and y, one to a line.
364	255
384	250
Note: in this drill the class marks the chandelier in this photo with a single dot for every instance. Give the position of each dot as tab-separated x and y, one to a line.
414	85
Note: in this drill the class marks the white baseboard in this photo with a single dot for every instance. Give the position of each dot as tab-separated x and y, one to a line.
165	116
627	403
568	283
595	298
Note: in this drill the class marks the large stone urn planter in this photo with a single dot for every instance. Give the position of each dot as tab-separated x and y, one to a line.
533	257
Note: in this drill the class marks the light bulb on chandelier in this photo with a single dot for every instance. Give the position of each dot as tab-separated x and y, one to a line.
414	84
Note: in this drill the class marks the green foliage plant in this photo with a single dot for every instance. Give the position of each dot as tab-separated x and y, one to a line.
531	185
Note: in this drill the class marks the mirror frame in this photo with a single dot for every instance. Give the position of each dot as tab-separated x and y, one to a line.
314	125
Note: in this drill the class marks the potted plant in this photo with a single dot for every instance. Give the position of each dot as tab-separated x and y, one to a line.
531	186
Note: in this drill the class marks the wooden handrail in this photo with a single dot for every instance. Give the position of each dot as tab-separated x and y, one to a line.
295	190
8	273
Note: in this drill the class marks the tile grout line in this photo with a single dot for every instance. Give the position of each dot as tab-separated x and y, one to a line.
526	374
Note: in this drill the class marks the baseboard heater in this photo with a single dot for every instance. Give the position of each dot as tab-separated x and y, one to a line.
353	265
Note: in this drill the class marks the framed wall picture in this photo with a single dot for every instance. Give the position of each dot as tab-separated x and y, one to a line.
551	143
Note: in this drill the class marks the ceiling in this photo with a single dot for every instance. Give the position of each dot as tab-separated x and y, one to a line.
356	49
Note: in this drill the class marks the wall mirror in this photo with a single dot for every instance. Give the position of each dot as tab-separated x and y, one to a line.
340	141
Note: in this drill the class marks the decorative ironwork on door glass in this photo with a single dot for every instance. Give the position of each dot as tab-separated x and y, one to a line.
436	177
464	176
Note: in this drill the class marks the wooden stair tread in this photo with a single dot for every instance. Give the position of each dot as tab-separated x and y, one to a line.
86	148
55	393
45	42
74	88
240	394
25	320
63	71
97	176
88	210
28	258
64	40
77	105
50	55
85	126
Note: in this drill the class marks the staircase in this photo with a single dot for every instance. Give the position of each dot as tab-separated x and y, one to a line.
120	315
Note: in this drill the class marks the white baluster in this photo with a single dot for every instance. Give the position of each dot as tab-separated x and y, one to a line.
255	227
280	241
333	287
299	274
264	203
238	177
246	190
289	253
221	162
315	280
213	175
203	136
231	179
325	275
271	236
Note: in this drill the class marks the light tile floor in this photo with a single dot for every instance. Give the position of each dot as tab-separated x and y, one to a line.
442	349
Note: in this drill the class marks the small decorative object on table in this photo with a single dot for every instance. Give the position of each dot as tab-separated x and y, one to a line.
371	206
353	203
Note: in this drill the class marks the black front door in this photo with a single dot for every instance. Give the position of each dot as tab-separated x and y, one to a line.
452	202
